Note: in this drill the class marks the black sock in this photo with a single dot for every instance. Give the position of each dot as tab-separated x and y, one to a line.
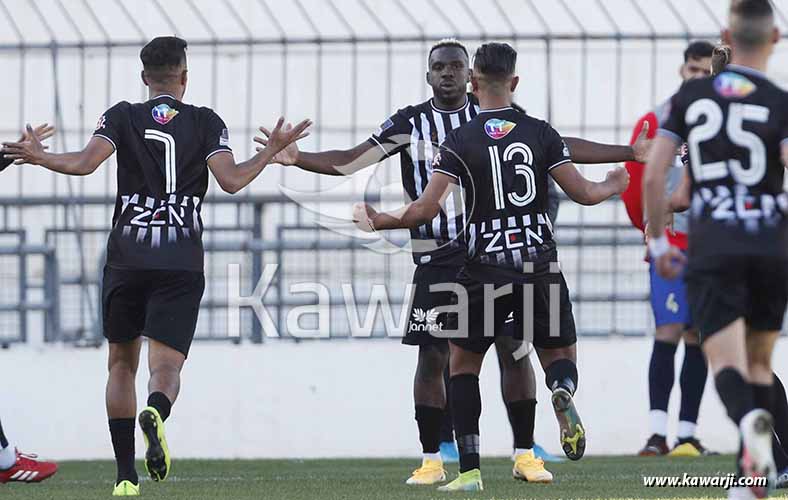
660	374
693	381
447	429
162	404
562	373
522	416
780	413
735	393
3	440
429	422
467	405
763	395
122	432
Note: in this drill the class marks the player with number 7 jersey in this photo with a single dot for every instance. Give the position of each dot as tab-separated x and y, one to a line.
153	281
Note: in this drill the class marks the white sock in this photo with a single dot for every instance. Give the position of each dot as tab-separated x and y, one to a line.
433	456
658	422
7	457
686	429
520	451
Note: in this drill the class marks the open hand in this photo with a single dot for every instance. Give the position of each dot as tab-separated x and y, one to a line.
642	145
281	137
287	156
29	149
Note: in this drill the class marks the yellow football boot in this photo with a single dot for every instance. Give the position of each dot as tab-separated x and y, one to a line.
430	472
528	467
126	489
466	481
157	455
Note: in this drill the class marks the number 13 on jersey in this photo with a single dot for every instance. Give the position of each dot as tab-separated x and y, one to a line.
516	150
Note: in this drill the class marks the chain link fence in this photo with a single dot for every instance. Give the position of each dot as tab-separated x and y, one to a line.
591	68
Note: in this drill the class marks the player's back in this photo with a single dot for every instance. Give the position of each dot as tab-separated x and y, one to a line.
162	150
734	124
503	159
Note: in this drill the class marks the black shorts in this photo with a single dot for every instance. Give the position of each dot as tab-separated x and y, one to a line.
478	339
723	288
161	305
423	320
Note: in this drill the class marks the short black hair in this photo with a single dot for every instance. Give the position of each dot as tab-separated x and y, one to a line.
447	42
162	55
495	60
755	22
699	49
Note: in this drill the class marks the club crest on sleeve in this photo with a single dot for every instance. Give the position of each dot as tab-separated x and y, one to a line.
163	114
102	122
733	86
498	129
385	126
224	139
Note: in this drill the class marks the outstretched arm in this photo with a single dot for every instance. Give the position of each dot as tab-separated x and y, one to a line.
82	162
414	214
681	197
332	162
584	151
669	260
586	192
233	177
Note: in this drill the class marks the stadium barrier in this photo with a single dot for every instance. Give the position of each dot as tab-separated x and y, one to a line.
608	282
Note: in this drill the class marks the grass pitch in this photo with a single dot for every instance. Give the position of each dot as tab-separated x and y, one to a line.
608	478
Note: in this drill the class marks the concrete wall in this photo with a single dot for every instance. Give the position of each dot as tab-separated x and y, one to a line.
320	399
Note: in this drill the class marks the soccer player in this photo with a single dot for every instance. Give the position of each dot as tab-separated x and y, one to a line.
502	158
680	201
668	297
736	128
153	280
415	133
15	465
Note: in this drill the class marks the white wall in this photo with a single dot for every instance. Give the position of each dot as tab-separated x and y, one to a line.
320	399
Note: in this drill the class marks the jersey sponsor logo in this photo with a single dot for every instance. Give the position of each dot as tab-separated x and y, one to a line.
163	114
224	139
498	129
102	122
733	85
437	160
425	321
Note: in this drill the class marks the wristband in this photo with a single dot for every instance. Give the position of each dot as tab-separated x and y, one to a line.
657	247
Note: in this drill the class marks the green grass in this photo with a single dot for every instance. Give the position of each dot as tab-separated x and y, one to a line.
609	478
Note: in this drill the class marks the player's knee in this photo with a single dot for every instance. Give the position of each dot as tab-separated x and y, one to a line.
691	337
669	333
511	352
433	360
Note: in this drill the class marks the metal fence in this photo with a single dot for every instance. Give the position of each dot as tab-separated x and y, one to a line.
590	68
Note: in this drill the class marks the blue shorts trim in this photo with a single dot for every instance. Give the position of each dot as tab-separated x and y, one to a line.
669	300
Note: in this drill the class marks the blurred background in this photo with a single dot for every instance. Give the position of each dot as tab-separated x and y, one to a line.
590	67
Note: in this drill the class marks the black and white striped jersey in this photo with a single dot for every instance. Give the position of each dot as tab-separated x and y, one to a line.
415	133
162	146
502	159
